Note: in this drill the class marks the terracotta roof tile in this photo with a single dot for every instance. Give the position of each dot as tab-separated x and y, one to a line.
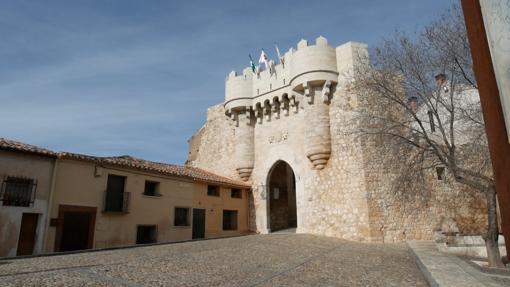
10	145
126	161
192	173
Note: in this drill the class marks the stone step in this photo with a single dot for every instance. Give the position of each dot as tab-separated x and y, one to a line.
473	240
468	250
447	270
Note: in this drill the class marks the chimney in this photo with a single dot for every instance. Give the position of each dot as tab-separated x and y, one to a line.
412	102
440	80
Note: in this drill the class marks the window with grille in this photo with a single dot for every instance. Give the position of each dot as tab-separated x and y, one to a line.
18	191
213	190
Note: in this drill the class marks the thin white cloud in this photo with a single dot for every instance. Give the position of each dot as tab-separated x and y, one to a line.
106	77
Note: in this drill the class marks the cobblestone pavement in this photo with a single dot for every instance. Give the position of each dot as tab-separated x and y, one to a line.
255	260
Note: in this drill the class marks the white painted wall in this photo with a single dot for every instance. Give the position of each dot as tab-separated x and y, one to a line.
30	166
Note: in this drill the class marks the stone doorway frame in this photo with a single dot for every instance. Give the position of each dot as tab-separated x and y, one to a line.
268	195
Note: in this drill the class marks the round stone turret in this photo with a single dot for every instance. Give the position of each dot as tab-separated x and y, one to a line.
313	63
317	130
244	147
238	90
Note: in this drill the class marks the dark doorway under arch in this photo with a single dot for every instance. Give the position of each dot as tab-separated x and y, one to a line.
282	197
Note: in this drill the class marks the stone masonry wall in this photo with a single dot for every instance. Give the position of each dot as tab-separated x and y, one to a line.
409	203
418	210
354	196
339	206
330	201
212	147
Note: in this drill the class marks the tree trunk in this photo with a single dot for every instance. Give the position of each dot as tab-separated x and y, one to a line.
491	237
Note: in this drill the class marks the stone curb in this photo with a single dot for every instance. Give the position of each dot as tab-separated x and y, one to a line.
442	269
426	273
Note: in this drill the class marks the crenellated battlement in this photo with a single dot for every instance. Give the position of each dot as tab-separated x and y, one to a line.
301	45
306	81
306	66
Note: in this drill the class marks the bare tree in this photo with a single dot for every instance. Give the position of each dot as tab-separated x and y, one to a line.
426	103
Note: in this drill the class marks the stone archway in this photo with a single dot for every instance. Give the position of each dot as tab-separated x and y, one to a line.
281	183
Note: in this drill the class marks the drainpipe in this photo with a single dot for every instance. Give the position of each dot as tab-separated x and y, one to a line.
50	202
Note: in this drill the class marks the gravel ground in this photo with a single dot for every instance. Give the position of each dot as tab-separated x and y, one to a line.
255	260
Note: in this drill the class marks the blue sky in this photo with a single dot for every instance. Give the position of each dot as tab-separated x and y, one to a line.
136	77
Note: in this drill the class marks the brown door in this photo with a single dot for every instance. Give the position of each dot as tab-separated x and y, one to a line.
198	230
76	228
26	240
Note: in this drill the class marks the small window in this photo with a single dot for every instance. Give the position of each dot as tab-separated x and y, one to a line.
146	234
213	190
151	188
431	121
229	219
440	172
236	193
17	191
181	216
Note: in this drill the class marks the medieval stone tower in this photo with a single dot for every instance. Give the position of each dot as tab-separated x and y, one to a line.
288	133
305	83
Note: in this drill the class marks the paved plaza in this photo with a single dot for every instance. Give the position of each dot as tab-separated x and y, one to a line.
254	260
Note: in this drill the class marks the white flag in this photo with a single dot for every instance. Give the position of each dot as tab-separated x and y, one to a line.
280	57
264	59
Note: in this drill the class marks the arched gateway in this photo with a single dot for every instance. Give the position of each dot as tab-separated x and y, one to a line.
281	184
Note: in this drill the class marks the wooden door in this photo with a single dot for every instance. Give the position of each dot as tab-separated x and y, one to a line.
26	241
75	230
198	223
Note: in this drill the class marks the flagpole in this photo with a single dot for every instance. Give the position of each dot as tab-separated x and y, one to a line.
252	64
282	59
